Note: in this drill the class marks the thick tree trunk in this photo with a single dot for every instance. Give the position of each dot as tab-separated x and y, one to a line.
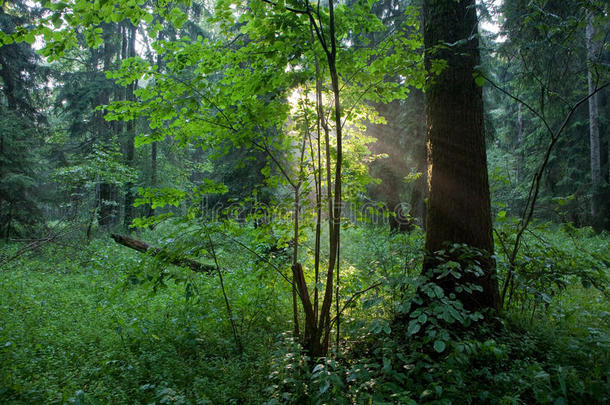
459	203
144	247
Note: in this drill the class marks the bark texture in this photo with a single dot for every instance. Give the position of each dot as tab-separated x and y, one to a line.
459	203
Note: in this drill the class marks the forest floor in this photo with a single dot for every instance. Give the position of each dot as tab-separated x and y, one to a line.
82	327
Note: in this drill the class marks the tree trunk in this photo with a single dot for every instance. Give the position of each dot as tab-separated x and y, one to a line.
459	204
518	146
131	131
594	138
107	214
144	247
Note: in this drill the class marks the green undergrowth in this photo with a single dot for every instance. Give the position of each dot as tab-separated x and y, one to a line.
79	329
100	324
438	352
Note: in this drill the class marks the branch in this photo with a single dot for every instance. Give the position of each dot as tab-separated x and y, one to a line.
518	100
352	298
265	149
257	255
531	202
532	197
144	247
294	10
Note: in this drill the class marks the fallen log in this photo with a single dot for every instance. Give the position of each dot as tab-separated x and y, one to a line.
144	247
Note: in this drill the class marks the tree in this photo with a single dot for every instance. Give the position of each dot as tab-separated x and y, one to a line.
600	206
538	74
401	139
459	202
22	127
229	92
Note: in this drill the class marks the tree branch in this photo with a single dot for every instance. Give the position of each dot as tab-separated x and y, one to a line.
144	247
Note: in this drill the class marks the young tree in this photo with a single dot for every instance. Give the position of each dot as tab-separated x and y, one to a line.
459	203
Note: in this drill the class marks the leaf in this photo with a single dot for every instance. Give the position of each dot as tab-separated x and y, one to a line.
30	38
147	18
318	368
414	327
439	346
479	80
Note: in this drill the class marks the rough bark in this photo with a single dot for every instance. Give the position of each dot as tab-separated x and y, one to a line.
459	202
144	247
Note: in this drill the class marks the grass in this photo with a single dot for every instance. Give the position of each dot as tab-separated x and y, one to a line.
95	325
86	333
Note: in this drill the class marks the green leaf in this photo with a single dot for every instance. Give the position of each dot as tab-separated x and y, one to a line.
439	346
147	18
478	79
414	327
30	38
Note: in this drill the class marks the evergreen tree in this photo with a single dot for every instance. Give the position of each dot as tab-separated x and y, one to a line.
22	127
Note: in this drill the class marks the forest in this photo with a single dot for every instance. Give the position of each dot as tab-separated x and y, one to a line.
304	202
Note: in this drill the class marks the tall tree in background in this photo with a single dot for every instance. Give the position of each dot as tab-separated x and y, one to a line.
459	203
129	51
600	207
21	127
401	140
543	64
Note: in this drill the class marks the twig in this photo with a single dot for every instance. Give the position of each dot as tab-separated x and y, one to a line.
224	293
352	298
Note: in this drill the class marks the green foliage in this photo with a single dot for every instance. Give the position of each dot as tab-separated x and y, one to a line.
22	168
439	353
23	127
102	165
542	65
551	258
125	344
147	331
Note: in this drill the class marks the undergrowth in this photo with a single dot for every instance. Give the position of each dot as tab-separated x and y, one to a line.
101	324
